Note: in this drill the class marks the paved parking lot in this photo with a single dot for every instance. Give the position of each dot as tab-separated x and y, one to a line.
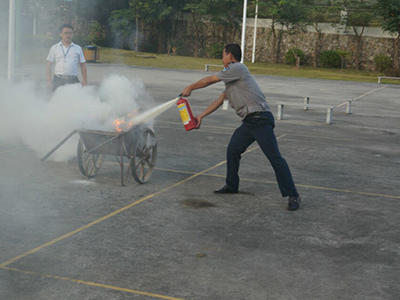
63	237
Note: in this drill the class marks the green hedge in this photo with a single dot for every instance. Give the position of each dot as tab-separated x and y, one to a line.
290	59
382	62
330	59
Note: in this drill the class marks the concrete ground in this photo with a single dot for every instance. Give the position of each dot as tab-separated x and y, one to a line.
63	237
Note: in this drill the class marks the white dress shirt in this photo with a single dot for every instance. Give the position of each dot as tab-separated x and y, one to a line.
66	59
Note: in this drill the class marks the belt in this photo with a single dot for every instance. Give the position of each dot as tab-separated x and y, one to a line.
66	76
258	115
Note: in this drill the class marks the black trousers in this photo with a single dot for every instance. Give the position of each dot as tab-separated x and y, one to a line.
260	128
58	81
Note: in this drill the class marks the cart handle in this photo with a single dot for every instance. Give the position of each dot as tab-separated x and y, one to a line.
59	145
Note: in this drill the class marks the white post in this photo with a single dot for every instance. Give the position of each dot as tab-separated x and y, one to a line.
11	41
255	35
34	24
244	28
329	116
280	112
306	102
348	108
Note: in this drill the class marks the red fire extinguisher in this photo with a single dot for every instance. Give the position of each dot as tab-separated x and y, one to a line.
186	114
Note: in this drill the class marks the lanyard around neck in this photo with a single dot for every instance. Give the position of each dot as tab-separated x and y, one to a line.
65	54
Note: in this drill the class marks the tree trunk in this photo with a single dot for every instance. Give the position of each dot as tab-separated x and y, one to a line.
357	58
358	47
233	33
196	44
294	51
137	34
316	48
396	51
296	57
160	42
197	34
273	42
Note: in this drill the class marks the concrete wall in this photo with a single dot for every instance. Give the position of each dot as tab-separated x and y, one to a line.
374	41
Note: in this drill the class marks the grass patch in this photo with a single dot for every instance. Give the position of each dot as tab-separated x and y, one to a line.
128	57
117	56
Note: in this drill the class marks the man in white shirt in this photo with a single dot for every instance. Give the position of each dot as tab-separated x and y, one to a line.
66	57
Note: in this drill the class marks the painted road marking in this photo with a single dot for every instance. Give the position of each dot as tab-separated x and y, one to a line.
202	173
370	92
112	214
5	264
106	286
302	185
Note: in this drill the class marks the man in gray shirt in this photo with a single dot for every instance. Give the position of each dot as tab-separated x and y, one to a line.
247	99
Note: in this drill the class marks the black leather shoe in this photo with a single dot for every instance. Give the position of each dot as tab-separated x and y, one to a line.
294	203
225	190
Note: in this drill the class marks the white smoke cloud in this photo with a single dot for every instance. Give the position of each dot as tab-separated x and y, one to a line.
40	119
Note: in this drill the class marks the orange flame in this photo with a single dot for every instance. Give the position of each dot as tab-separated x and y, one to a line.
118	123
125	122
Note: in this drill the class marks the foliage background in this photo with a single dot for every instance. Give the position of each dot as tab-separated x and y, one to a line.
196	27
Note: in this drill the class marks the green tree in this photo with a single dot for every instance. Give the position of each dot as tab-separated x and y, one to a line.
358	16
318	14
197	9
168	15
228	13
47	14
389	10
161	16
343	55
142	10
98	11
121	22
292	14
280	12
271	10
94	31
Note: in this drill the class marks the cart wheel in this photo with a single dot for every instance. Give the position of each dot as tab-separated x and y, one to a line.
89	164
144	155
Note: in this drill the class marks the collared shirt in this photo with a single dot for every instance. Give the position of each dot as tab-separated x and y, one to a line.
66	59
244	93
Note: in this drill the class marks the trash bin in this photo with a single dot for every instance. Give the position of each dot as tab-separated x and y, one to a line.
91	53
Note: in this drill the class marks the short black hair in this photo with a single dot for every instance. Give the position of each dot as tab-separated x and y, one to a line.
66	26
235	50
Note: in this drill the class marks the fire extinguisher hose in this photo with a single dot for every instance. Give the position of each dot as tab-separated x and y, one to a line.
153	112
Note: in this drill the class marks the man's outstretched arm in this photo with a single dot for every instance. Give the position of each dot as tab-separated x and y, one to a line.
206	81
